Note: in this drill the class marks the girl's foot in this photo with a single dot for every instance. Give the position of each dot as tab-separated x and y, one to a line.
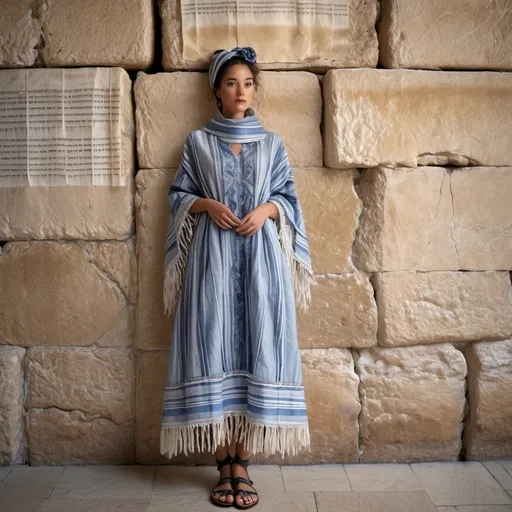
245	494
222	494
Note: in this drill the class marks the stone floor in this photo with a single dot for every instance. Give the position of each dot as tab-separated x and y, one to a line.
422	487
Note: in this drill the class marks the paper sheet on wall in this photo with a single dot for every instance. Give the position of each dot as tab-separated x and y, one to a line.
60	127
279	30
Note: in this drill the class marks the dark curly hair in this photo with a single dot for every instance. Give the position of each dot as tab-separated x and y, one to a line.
253	68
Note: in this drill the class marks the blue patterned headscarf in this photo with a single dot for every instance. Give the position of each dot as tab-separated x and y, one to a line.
246	53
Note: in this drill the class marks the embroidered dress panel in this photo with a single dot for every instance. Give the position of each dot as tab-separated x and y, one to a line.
234	365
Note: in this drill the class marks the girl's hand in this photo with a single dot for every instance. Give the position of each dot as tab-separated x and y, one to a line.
253	221
222	215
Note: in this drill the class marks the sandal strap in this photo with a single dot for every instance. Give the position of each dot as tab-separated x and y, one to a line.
243	492
240	479
225	480
223	462
241	462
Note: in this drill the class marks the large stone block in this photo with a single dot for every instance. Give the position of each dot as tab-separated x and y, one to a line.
357	48
435	219
333	405
12	413
151	378
411	117
86	298
76	437
434	307
96	381
488	433
460	34
342	313
20	34
331	210
413	403
105	34
170	105
75	212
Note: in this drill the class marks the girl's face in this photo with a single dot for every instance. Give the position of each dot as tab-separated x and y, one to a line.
236	91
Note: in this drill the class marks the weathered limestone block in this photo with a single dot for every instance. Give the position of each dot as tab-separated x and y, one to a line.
434	307
407	118
12	414
488	433
78	302
331	211
20	34
435	219
359	48
342	313
467	34
151	378
107	34
97	381
75	212
170	105
413	403
74	437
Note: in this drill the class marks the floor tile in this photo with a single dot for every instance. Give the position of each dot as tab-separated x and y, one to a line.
109	505
266	477
485	508
506	464
104	481
382	477
499	473
374	502
459	483
4	471
22	498
170	479
329	477
27	476
446	509
199	501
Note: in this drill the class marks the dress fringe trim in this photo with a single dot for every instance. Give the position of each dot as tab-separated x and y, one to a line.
302	275
258	438
174	275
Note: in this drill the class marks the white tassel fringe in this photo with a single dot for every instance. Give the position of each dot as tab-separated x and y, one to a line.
302	276
175	274
267	439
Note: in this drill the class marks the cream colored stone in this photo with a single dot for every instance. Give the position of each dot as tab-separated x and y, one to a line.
432	307
413	403
75	212
98	33
333	405
74	437
331	210
170	105
73	301
460	34
342	313
151	378
20	33
96	381
360	48
12	413
412	117
435	219
154	327
488	434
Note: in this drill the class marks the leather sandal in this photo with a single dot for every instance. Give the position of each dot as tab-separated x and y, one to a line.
242	492
225	480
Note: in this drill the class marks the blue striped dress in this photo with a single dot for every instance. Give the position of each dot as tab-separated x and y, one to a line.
234	369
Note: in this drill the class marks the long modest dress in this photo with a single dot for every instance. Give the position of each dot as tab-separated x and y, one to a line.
234	365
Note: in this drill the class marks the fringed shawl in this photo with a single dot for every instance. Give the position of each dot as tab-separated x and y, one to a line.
193	180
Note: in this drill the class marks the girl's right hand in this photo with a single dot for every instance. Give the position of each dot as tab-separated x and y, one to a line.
222	215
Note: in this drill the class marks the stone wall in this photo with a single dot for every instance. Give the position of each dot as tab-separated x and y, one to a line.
405	179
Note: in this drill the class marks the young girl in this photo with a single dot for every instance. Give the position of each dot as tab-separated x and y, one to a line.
236	263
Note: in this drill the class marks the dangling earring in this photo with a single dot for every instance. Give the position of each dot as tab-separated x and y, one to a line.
249	112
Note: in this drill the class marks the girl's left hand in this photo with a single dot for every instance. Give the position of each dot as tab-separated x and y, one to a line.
253	221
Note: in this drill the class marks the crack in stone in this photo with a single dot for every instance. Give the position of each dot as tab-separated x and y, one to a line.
453	215
95	416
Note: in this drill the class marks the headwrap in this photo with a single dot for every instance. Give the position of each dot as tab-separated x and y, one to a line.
246	53
234	131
